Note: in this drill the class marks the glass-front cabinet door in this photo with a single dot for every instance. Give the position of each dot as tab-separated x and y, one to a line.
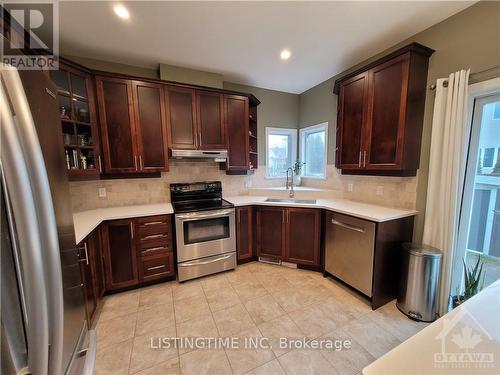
75	94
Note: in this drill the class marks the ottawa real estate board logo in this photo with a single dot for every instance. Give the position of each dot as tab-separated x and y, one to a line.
465	344
30	34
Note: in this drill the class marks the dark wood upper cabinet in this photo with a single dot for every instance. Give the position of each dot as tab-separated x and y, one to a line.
303	235
271	232
120	255
386	109
182	118
77	112
210	119
116	114
244	233
151	126
237	126
380	114
353	98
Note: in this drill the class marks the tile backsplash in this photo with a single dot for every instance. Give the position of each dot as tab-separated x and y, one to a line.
400	192
392	191
120	192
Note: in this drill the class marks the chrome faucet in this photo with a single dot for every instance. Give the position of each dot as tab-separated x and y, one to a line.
291	194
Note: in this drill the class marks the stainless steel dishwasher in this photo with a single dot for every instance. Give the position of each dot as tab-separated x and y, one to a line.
350	246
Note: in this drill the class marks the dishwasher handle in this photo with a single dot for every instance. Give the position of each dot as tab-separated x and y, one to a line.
347	226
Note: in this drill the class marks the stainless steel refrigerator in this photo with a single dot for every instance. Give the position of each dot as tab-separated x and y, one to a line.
43	327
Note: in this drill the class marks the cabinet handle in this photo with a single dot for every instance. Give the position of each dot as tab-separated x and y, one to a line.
283	217
140	162
347	226
100	164
86	253
153	236
359	159
154	249
154	223
84	248
135	162
155	268
364	159
131	230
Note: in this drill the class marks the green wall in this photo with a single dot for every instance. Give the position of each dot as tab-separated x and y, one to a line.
277	109
191	76
108	66
469	39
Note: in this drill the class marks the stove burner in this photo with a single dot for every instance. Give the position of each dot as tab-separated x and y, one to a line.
198	196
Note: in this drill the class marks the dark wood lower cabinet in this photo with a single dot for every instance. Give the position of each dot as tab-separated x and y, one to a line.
271	232
303	235
137	251
156	267
120	256
89	253
244	233
288	233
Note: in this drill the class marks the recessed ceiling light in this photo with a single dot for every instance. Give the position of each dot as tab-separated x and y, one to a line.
285	54
121	11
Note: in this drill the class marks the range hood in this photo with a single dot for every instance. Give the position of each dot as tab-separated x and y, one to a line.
219	156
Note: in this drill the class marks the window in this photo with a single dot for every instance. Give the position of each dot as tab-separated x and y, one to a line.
496	111
489	153
313	150
281	151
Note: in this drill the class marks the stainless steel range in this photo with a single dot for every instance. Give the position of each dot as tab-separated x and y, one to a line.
205	229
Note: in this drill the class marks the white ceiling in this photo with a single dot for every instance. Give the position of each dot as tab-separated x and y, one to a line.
243	40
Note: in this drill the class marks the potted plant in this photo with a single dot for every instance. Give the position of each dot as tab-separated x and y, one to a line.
473	282
297	169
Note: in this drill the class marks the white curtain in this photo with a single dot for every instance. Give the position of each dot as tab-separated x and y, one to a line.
449	143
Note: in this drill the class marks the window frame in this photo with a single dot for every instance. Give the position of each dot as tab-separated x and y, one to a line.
281	131
494	111
302	134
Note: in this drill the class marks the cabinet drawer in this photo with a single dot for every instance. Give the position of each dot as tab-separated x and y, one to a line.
154	247
156	266
154	234
148	221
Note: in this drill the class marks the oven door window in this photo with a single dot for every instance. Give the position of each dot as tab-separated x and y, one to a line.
197	231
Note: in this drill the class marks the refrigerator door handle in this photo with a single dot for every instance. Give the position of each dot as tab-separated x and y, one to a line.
44	209
30	248
90	354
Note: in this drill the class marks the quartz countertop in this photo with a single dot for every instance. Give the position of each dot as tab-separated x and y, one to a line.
343	206
86	221
465	341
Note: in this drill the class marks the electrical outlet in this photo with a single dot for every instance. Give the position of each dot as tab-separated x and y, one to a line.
380	190
101	192
350	187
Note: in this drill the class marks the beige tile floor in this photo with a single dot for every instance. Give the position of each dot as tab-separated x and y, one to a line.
255	301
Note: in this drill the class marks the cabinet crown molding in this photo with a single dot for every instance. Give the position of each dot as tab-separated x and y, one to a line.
412	47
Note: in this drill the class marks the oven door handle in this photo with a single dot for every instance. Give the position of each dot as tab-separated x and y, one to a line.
198	216
201	262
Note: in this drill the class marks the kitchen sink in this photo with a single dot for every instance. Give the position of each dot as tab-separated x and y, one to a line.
291	200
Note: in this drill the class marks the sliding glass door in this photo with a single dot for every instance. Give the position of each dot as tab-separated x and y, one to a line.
480	220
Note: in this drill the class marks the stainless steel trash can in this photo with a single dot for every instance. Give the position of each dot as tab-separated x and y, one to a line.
418	291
